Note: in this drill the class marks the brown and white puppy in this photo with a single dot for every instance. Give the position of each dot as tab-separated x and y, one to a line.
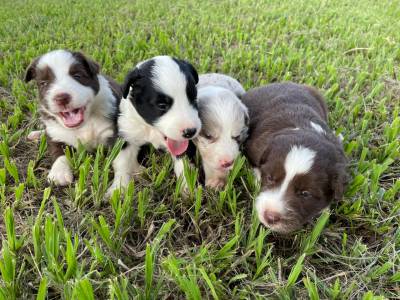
76	104
300	162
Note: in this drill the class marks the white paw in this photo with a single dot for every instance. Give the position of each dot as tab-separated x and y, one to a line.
61	173
139	169
257	174
216	183
119	182
184	186
34	135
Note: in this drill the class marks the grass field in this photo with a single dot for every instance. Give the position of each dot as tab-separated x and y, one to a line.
153	244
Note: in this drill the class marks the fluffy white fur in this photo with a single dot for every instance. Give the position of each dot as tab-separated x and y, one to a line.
221	80
61	173
223	116
299	160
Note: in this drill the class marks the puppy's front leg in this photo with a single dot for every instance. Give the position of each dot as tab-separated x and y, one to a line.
214	178
125	165
60	172
179	168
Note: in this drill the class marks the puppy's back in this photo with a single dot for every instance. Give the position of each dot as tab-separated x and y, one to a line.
277	95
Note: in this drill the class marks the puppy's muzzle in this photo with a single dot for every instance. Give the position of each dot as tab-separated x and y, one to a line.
188	133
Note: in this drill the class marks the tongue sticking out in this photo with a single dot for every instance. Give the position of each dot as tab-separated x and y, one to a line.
73	118
177	148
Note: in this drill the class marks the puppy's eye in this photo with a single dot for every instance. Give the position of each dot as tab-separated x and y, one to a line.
269	179
304	194
208	136
43	83
77	76
162	105
237	138
163	102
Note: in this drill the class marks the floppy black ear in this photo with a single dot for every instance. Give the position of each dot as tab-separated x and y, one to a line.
130	80
31	70
92	66
193	72
186	66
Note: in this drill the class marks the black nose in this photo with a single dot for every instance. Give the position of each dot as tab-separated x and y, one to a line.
189	133
62	99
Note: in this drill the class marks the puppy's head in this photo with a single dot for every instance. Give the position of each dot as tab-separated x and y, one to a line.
163	92
301	173
67	83
224	127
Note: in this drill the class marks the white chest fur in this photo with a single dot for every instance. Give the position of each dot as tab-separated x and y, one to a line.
135	130
97	130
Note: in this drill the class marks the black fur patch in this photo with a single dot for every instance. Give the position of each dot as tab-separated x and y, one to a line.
192	79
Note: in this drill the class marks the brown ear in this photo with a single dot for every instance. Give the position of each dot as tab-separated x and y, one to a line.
92	66
339	181
263	156
31	70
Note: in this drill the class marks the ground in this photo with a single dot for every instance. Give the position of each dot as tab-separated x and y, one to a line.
154	244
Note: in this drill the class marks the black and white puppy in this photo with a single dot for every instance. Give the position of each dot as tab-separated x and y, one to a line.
224	125
76	104
159	107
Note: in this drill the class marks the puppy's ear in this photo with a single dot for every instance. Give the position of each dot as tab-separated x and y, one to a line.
246	118
193	72
130	81
90	65
183	64
339	181
31	70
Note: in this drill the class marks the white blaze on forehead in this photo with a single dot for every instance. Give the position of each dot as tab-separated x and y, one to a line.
168	77
59	61
299	160
317	127
223	109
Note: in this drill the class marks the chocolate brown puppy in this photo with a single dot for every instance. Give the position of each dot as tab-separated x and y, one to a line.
298	159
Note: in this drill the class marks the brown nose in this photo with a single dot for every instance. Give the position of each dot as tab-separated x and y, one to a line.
271	217
226	164
62	99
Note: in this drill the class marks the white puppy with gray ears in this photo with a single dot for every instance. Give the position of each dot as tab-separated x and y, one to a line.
224	125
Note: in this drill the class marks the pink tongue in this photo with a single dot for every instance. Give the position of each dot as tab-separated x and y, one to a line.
73	118
176	148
